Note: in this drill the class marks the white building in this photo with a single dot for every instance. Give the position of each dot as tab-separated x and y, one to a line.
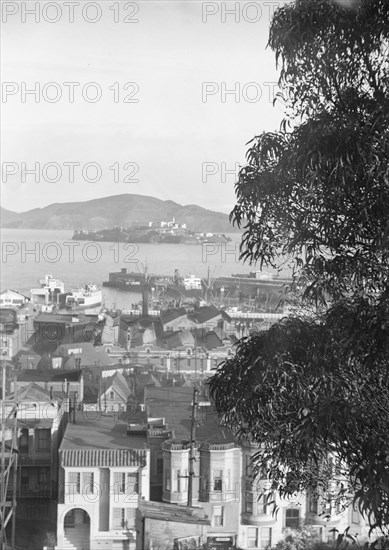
104	472
11	298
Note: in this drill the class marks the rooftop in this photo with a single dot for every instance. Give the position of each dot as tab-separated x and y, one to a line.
172	314
63	319
86	351
175	406
96	431
49	375
173	512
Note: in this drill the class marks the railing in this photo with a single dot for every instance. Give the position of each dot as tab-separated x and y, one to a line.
48	491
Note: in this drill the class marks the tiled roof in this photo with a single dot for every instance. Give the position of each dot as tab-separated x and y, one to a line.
103	458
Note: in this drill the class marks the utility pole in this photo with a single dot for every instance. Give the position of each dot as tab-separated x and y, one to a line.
191	446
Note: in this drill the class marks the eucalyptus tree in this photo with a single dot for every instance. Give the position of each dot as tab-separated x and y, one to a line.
317	193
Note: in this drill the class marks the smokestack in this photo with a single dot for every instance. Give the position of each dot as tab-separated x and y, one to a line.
145	301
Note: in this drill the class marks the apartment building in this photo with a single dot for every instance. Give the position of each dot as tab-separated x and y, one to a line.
261	527
121	476
216	460
240	515
41	421
104	473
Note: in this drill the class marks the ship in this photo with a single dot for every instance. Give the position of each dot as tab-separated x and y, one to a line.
87	297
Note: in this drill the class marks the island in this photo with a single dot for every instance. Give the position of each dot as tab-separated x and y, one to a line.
151	232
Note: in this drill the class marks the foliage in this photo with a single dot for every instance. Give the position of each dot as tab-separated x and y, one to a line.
302	539
317	192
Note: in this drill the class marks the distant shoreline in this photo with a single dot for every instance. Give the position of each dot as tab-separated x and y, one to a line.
148	236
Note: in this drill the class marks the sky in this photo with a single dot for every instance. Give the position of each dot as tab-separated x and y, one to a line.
151	112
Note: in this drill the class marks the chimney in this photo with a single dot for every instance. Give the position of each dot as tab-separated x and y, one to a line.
74	407
123	270
145	301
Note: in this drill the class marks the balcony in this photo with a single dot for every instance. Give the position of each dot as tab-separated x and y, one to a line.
38	459
46	491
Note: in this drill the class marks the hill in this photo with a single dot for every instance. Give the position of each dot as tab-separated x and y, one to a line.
117	210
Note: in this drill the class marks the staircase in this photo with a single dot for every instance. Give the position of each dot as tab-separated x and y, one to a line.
77	538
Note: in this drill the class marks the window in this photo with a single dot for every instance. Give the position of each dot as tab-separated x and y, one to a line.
43	440
218	516
126	483
266	503
313	504
178	481
252	537
119	516
249	498
87	482
23	441
228	480
181	480
123	518
217	480
132	483
130	517
265	537
354	514
119	480
167	480
74	482
292	518
112	394
43	476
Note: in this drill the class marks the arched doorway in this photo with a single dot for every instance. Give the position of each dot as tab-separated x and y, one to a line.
77	528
